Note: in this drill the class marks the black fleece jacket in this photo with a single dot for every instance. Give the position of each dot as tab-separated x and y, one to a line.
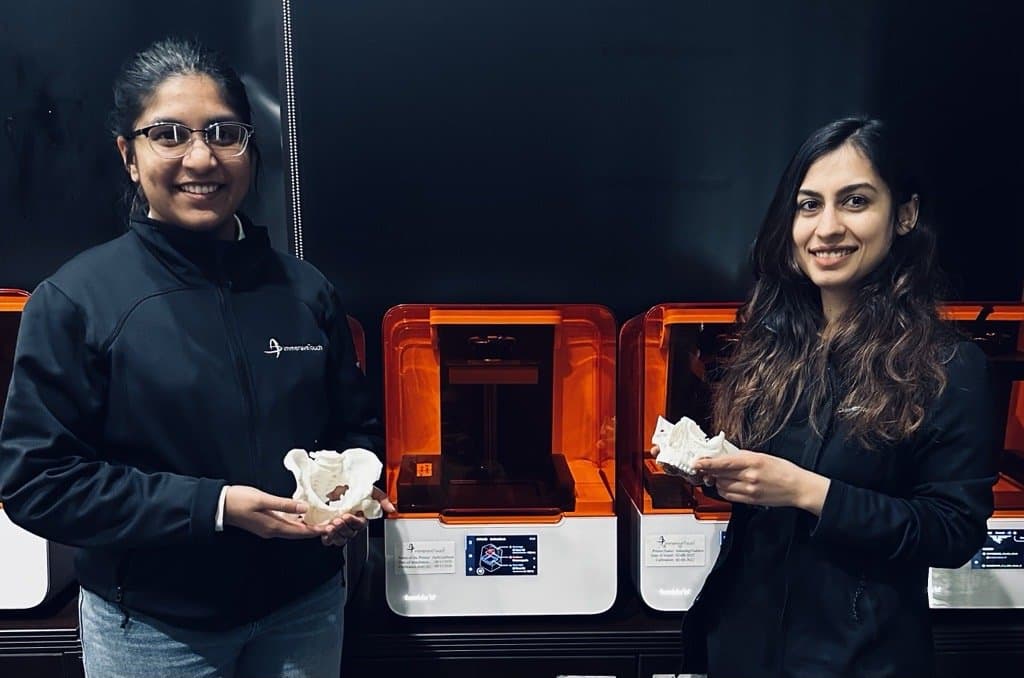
146	377
845	594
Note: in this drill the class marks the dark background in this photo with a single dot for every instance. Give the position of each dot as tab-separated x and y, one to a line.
624	152
619	152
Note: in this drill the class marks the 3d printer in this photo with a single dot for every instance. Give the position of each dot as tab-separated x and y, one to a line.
668	358
32	570
994	578
500	459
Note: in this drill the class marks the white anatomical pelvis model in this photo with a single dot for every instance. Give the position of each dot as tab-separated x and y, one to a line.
319	474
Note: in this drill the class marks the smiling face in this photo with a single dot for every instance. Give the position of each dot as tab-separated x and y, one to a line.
843	225
201	190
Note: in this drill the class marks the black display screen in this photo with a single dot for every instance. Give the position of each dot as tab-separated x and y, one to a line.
1003	550
501	555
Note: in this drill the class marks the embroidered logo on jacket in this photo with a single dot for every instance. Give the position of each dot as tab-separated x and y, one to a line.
276	348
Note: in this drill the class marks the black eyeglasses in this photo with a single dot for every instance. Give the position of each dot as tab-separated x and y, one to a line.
173	140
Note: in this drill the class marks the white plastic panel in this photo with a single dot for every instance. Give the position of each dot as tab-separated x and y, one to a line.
31	569
672	555
571	571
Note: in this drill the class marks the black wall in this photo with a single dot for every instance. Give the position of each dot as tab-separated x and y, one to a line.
624	152
617	152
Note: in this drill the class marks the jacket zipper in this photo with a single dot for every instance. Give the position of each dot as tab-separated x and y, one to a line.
242	372
120	576
857	595
796	516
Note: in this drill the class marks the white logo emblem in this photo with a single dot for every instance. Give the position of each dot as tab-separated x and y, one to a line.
275	348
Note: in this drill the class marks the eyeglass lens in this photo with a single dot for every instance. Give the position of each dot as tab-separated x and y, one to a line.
171	137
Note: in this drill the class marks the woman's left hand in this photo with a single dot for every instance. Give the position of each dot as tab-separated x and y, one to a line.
764	479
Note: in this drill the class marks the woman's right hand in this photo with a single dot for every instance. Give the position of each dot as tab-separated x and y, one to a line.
266	515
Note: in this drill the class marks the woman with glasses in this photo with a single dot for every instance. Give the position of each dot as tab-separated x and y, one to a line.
867	426
147	421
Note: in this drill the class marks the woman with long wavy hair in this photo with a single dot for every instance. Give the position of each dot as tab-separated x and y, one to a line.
871	423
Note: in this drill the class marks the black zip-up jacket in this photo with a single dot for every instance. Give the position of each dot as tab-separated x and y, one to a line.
147	376
845	594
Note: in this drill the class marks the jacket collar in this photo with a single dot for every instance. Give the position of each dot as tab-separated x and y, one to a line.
200	258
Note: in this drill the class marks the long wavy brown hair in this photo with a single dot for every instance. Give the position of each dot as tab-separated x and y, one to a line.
884	356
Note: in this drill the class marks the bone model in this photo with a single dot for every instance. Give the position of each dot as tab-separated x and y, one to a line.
681	444
318	474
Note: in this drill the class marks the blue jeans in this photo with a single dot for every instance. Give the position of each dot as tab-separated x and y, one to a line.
301	640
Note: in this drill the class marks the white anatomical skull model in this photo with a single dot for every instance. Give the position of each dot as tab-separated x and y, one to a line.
683	443
319	474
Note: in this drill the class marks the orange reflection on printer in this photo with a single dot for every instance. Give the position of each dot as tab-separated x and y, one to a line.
997	329
11	304
668	359
500	412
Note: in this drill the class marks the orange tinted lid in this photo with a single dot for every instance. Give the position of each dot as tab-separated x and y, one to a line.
581	367
12	299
